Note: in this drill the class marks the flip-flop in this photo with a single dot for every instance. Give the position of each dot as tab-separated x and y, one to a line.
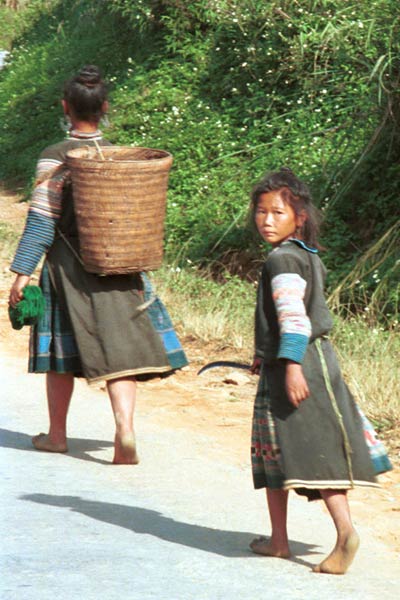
42	442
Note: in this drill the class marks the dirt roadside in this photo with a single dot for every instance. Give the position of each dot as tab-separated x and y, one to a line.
218	404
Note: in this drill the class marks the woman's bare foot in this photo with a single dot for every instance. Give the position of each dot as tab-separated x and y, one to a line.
266	547
43	442
125	450
341	557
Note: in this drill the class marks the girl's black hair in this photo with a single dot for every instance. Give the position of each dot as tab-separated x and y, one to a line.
295	193
86	93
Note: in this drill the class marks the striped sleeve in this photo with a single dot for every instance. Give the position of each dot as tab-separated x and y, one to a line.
43	214
288	291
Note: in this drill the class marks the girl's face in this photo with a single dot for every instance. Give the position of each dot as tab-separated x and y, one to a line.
276	220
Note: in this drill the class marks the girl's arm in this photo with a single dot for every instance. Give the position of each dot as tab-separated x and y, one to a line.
256	366
288	290
295	383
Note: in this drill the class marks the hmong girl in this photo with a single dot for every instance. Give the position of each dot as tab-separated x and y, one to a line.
93	326
307	433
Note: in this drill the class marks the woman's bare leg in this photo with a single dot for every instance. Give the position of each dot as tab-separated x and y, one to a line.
122	393
278	544
347	541
59	388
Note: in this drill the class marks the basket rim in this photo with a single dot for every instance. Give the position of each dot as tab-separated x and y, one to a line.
106	149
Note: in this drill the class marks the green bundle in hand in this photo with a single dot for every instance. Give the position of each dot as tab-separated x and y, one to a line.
29	309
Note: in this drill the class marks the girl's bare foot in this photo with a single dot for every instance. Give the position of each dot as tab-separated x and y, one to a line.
125	450
341	556
266	547
43	442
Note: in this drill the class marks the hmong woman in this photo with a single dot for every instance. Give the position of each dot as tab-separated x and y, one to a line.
93	326
307	432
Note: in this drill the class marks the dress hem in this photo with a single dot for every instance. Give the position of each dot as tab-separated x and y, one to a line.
128	372
344	484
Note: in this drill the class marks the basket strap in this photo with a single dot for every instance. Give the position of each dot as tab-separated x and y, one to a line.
74	252
140	308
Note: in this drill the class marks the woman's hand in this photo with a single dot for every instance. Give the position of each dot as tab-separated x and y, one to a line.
296	384
16	293
255	367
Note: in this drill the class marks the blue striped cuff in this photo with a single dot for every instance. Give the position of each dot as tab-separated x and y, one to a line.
37	238
293	346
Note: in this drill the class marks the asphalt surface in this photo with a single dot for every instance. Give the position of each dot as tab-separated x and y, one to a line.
175	527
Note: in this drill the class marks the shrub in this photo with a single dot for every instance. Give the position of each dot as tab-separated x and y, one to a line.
232	89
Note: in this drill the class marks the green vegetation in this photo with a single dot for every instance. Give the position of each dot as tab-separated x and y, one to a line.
232	88
8	240
223	315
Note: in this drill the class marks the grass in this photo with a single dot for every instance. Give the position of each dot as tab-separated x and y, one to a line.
222	314
369	357
208	311
8	240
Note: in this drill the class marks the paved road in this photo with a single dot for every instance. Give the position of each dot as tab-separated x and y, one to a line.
176	527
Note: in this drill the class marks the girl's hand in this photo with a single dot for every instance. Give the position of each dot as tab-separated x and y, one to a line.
255	367
16	293
296	384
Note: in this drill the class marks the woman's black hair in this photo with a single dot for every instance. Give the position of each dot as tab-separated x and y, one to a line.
295	193
86	93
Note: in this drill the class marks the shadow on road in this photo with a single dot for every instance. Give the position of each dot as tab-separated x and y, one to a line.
150	522
78	447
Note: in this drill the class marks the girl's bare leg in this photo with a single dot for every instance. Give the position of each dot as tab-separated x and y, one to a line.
347	541
59	388
122	393
278	544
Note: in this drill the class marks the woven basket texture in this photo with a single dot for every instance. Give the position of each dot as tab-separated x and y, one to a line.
120	202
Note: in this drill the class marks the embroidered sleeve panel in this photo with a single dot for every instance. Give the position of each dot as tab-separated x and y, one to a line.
288	291
47	195
36	240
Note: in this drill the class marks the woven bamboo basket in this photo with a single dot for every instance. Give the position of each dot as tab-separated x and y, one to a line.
119	200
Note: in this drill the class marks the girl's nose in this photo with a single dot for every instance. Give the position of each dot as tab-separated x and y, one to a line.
268	219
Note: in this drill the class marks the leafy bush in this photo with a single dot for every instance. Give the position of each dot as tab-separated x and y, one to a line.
232	89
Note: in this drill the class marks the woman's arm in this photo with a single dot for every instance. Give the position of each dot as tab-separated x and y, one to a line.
43	214
16	289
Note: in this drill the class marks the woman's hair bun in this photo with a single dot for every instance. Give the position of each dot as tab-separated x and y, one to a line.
89	76
86	93
286	170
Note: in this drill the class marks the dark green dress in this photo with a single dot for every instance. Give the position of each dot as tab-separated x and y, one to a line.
93	326
321	444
